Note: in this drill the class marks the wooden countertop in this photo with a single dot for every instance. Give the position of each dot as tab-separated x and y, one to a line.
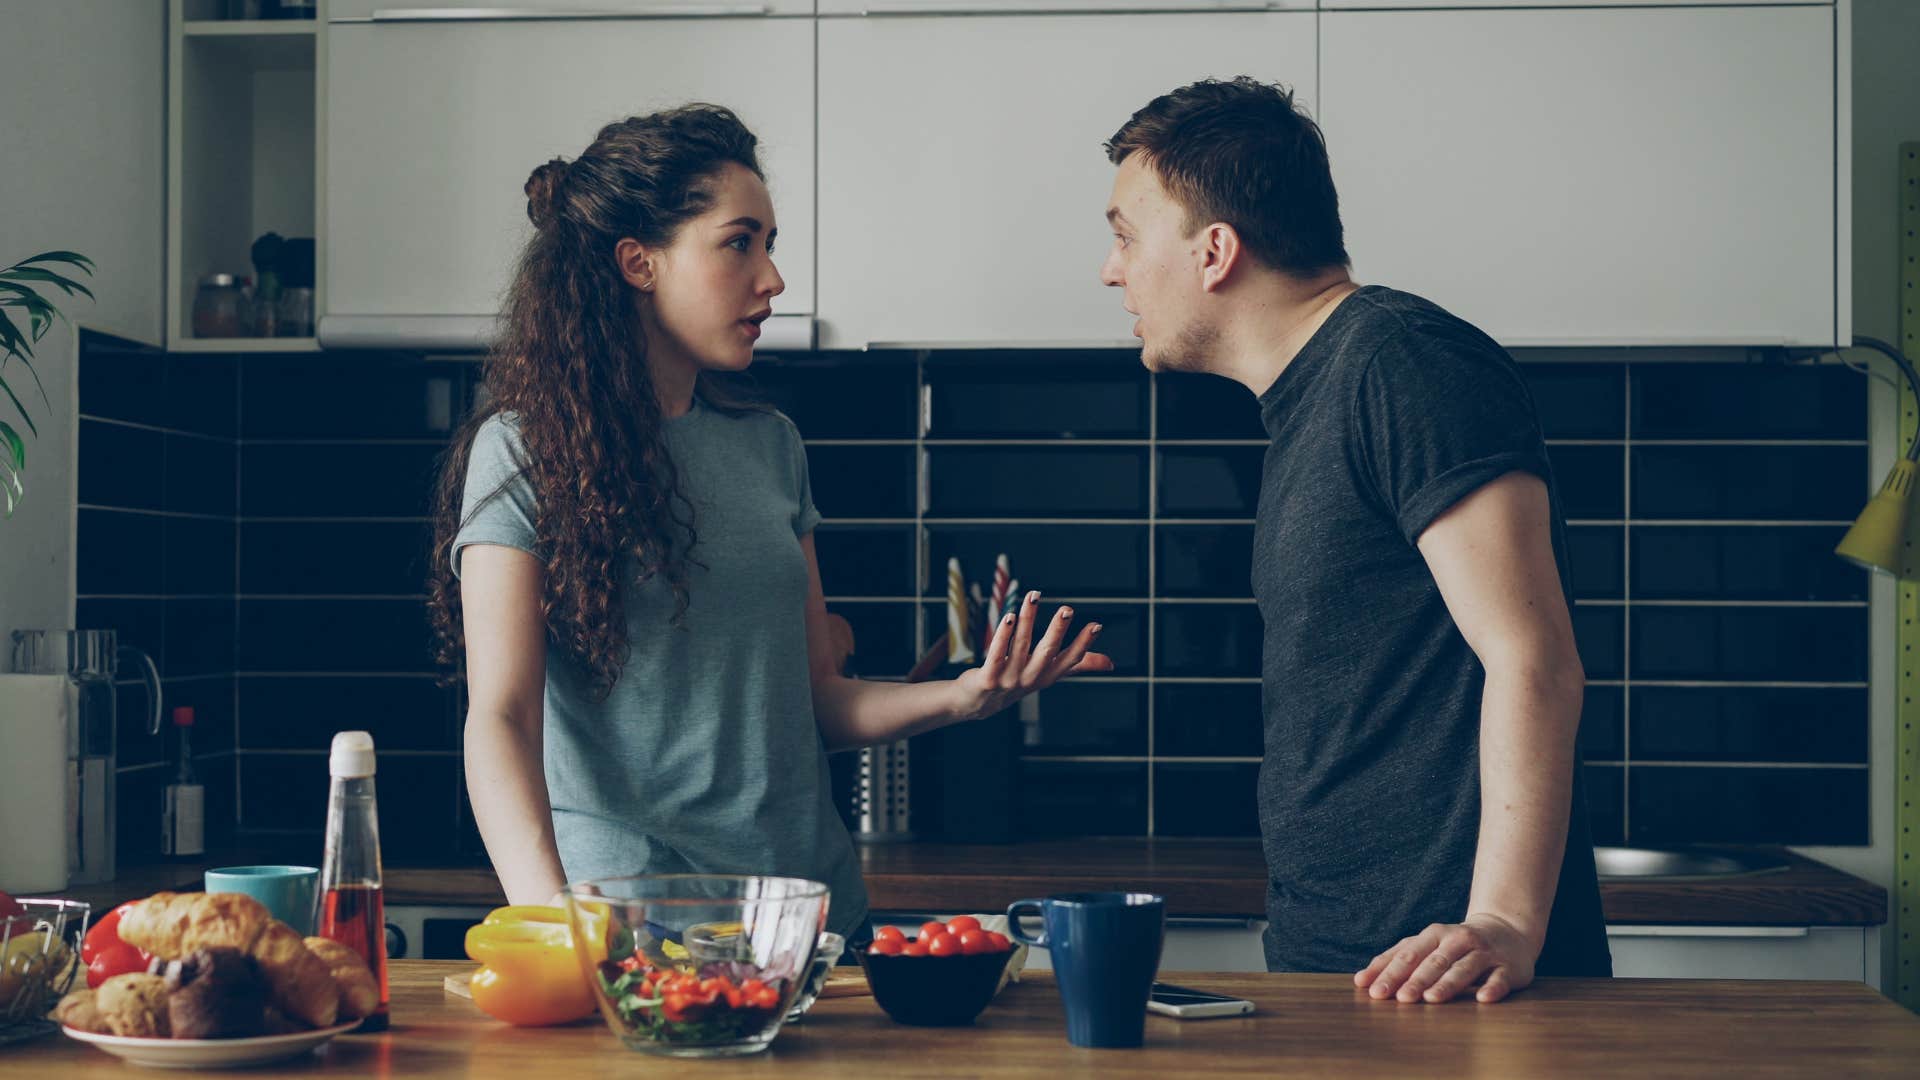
1198	878
1305	1025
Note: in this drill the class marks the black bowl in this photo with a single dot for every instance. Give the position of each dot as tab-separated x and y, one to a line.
934	991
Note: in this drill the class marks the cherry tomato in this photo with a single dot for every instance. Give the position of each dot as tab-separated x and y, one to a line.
1001	943
917	947
976	941
944	945
104	933
116	959
889	933
887	946
960	924
928	929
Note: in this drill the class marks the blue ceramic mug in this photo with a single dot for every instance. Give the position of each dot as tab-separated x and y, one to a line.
1105	948
287	891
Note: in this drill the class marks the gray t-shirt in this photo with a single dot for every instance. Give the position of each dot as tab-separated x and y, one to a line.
705	757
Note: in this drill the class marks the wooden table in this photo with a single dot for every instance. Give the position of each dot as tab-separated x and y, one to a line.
1306	1025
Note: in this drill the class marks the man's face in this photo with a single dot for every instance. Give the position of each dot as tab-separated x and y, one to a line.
1157	267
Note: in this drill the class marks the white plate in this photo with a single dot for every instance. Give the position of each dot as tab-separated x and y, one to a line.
210	1053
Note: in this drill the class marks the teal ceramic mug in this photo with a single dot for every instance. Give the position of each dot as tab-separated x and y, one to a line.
287	891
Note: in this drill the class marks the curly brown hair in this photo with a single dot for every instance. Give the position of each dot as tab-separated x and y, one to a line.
570	368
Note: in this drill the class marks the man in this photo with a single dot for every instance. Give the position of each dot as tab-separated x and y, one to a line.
1420	806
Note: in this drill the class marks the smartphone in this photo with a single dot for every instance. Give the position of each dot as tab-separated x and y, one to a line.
1189	1004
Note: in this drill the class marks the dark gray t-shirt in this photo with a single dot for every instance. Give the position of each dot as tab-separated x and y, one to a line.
1370	789
705	757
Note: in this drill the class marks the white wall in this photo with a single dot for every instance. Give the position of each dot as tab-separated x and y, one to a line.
83	169
1886	112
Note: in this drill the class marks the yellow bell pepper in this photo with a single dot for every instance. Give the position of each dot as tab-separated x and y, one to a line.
529	975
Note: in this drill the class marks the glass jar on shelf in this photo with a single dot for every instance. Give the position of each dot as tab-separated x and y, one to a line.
220	307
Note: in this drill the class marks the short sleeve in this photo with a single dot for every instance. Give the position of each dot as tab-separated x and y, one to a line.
497	506
1437	416
807	515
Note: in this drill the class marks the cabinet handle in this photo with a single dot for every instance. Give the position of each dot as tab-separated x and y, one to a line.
1709	931
654	11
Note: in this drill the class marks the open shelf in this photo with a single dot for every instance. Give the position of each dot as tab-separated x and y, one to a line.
243	150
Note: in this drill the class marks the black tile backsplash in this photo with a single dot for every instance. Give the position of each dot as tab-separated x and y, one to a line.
1590	481
863	560
1778	724
1717	483
1206	407
1094	717
1037	481
1728	562
1210	481
1062	560
1579	401
301	712
1207	720
338	479
862	481
1204	560
260	525
1770	644
155	562
1709	401
1036	395
1672	805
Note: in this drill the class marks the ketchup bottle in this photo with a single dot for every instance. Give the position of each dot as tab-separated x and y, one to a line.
351	908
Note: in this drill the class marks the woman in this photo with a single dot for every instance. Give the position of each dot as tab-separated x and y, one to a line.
624	552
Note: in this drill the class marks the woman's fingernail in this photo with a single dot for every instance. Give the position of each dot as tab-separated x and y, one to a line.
1095	629
1033	597
1007	618
1064	613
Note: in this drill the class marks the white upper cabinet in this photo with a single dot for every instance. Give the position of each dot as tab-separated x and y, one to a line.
521	10
1049	7
963	188
433	128
1594	176
1372	5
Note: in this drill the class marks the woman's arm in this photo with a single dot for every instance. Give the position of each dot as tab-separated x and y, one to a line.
853	713
506	637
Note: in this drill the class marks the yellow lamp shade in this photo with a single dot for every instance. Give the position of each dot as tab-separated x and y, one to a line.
1878	539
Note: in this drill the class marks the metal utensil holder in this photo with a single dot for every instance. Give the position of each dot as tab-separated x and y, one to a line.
881	796
38	973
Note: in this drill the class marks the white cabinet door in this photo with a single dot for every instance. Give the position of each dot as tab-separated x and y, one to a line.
1049	7
1740	952
522	10
432	130
1625	176
963	189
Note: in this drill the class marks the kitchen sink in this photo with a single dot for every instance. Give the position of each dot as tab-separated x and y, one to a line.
1645	863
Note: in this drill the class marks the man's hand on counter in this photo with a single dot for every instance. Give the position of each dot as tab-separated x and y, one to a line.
1447	959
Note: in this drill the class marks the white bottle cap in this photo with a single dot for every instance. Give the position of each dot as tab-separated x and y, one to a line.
352	754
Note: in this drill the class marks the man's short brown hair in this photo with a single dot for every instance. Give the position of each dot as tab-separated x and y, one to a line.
1244	153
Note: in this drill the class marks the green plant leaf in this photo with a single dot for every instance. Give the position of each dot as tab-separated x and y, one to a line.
33	273
10	441
24	415
71	258
10	483
41	313
11	339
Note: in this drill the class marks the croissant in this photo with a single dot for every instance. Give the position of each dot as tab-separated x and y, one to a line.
358	994
171	925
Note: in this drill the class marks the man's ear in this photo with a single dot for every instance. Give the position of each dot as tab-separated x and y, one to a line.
637	263
1220	254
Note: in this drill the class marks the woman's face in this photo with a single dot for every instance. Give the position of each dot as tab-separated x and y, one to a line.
714	284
